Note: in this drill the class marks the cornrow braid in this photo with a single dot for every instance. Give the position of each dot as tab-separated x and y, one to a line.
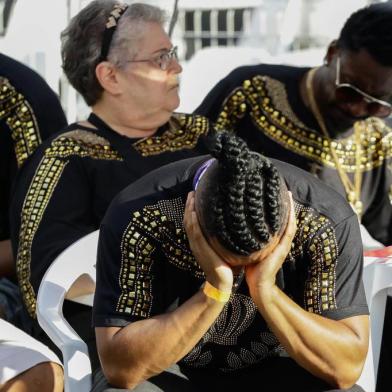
254	204
247	203
272	187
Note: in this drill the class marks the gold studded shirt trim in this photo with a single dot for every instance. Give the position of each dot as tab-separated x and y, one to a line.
17	113
264	99
47	176
318	233
161	224
183	132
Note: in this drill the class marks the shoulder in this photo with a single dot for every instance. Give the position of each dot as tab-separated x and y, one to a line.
21	78
79	142
165	183
311	192
12	69
277	71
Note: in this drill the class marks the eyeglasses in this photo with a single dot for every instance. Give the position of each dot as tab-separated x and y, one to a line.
163	60
346	92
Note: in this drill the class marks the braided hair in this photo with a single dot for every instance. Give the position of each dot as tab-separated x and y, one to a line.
243	196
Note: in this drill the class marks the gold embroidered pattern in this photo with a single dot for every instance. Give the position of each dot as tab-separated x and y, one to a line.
234	109
160	223
135	276
19	116
43	184
236	317
317	231
183	133
265	100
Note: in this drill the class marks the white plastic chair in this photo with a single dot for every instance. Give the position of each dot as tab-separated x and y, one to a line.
377	278
77	260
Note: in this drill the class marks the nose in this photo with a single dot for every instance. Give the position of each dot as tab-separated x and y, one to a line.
175	66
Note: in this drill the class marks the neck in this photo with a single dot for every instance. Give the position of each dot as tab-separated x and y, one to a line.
129	123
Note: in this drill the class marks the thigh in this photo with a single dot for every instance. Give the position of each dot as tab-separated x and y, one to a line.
276	374
171	380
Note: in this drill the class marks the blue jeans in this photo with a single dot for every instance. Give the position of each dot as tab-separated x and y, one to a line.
11	306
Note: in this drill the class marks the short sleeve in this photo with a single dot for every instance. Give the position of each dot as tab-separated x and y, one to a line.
342	286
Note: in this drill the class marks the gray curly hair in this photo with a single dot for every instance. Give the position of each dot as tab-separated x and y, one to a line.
81	42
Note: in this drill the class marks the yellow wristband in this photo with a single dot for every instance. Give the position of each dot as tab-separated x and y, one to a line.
218	295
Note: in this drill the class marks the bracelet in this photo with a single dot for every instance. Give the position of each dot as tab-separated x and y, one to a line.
218	295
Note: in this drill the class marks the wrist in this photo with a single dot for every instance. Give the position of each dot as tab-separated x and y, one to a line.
264	293
216	294
224	284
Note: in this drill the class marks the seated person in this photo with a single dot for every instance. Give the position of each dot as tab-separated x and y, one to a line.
30	112
254	278
329	120
26	364
123	63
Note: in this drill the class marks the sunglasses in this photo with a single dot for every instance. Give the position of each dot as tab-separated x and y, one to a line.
346	92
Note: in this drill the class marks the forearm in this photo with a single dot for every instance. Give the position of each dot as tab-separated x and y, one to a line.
328	349
148	347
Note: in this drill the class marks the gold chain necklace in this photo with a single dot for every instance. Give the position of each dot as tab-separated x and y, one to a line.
353	191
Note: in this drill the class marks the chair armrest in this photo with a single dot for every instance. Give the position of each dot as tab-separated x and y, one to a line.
77	367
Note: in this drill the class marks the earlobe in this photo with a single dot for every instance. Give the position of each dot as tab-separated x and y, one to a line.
107	77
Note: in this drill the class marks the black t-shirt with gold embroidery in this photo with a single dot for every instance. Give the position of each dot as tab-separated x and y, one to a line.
262	104
30	112
65	188
145	266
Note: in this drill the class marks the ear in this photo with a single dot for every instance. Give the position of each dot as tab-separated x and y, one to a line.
331	52
107	76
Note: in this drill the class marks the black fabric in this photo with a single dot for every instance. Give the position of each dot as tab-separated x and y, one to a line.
71	180
263	105
384	381
85	188
142	232
47	111
8	170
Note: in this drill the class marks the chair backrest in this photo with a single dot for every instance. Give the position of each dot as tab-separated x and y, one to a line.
77	260
377	278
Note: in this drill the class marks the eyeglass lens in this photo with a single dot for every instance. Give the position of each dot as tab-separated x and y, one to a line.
167	58
348	94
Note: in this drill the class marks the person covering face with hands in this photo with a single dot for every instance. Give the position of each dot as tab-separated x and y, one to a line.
251	275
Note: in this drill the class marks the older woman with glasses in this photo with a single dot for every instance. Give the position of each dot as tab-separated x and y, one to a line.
120	59
331	120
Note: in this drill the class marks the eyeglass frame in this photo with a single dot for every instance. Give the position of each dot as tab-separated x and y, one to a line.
171	55
366	97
